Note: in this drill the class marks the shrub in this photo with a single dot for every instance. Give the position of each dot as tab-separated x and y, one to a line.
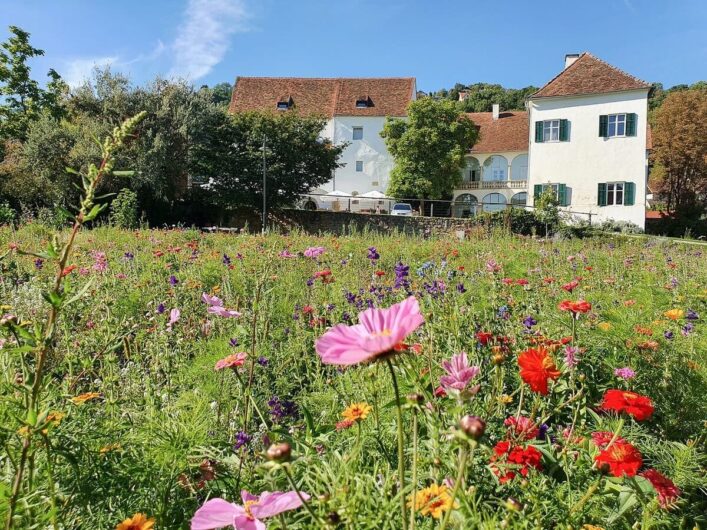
7	214
624	227
124	209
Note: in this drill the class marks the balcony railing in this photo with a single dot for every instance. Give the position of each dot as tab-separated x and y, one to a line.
494	185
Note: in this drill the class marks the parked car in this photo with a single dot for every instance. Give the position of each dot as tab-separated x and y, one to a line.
401	208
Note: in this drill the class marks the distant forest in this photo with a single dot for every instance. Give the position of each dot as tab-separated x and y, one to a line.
480	96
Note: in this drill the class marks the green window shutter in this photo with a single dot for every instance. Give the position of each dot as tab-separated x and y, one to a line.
601	195
562	195
537	191
564	130
538	132
631	124
603	125
629	193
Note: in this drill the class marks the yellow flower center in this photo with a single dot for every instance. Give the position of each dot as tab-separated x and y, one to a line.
247	506
385	333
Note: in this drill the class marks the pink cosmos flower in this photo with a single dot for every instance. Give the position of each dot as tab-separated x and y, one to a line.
287	254
314	252
378	331
459	374
216	307
174	315
218	513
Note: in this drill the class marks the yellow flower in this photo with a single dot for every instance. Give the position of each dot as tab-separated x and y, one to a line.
505	399
433	500
139	521
604	326
591	527
674	314
110	447
83	398
357	411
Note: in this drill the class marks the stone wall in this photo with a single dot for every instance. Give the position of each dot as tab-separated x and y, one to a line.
340	223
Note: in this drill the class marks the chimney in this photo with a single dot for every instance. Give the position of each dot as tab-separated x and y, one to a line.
463	95
496	110
570	58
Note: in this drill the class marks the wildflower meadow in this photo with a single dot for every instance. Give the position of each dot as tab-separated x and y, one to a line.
168	379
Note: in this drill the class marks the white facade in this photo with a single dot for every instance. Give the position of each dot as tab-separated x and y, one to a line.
587	159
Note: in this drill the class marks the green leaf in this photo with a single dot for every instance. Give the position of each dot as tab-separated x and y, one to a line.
82	292
123	173
309	420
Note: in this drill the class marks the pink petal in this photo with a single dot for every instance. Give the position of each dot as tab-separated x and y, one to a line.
248	496
276	502
215	513
341	345
243	522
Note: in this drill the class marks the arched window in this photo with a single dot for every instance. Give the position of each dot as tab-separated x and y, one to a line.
519	168
465	205
494	202
495	168
472	171
519	199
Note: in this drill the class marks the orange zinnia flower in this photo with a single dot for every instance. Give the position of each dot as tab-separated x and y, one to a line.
621	459
356	411
580	306
83	398
536	368
139	521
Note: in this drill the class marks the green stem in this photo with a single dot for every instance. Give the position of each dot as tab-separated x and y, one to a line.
464	454
586	497
401	443
414	464
296	490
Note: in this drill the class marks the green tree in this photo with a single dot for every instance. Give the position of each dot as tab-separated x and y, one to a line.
22	98
228	154
429	149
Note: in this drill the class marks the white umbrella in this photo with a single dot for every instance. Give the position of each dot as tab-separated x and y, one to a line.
376	195
335	196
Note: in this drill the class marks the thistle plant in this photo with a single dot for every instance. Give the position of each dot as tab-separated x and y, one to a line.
35	345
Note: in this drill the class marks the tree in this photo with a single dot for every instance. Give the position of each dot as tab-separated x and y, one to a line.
22	98
429	149
228	153
680	152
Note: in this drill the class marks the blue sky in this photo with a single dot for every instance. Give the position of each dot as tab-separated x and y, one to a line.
512	42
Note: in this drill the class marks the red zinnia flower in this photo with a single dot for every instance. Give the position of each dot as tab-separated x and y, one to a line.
635	405
569	287
602	438
526	458
484	337
521	427
580	306
621	459
522	459
536	367
666	489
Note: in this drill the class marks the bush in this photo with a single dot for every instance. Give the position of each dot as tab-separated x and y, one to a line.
51	218
124	210
7	214
623	227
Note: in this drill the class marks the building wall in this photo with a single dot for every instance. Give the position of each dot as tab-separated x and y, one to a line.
588	159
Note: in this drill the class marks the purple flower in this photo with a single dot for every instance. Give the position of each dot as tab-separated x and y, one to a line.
625	373
100	262
529	322
263	361
373	254
691	315
226	260
128	256
460	288
401	274
459	374
686	329
233	342
280	410
314	252
503	312
242	438
173	281
160	308
38	264
668	334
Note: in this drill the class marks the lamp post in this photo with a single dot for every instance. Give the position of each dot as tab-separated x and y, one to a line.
265	204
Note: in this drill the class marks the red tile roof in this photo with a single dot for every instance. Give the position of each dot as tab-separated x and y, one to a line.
508	133
589	75
325	96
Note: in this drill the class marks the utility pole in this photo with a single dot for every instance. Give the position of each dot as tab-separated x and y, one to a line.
265	204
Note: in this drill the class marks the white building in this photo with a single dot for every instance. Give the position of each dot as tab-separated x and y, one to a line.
584	133
356	109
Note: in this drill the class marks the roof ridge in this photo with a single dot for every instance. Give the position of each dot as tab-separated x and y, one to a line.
581	55
617	69
406	78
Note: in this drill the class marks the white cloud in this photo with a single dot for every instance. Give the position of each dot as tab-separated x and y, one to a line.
77	71
204	36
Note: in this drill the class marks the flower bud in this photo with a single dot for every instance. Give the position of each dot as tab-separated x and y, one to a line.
473	426
415	399
8	320
281	452
513	504
498	358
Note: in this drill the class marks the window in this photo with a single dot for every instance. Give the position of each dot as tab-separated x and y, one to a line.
495	168
551	131
519	199
282	105
616	194
363	102
358	133
465	205
617	125
519	168
560	191
359	166
472	172
494	202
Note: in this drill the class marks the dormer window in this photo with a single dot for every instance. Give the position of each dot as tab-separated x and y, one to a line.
363	102
285	103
